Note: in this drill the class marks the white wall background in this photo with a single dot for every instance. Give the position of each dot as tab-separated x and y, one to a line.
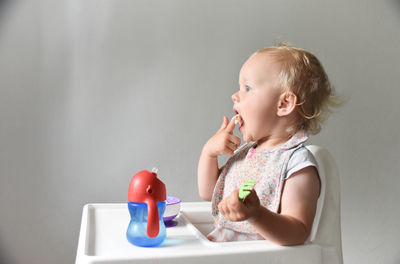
93	91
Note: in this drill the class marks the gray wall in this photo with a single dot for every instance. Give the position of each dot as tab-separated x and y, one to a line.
93	91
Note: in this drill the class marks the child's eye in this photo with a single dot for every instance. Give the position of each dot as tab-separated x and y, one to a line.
248	88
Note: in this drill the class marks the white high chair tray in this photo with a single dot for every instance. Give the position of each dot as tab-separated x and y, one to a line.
102	239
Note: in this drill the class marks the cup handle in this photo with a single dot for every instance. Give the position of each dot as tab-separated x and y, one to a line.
152	219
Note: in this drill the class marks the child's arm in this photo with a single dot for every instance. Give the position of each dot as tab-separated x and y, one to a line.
293	225
222	143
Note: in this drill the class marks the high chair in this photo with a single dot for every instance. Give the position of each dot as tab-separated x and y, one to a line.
102	236
326	230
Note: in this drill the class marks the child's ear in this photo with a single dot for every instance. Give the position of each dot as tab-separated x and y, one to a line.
287	103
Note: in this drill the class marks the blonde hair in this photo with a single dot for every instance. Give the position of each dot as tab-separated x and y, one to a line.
302	74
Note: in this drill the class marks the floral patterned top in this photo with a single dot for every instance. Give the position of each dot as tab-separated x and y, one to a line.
266	167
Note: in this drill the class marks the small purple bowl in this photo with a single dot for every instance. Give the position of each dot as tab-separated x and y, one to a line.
173	206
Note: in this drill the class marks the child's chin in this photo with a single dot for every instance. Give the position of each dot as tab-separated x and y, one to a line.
246	138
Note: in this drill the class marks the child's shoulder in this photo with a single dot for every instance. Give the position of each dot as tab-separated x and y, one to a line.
300	159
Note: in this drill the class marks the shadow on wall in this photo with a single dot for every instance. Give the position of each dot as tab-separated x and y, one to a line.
4	256
396	5
4	4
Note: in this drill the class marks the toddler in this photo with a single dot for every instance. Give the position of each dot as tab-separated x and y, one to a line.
284	95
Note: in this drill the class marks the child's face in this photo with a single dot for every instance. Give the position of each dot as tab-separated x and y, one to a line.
258	97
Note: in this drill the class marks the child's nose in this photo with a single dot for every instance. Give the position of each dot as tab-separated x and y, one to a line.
235	97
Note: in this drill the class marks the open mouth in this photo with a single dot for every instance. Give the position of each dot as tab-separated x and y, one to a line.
238	119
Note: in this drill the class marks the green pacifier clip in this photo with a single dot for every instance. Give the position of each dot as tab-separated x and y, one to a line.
245	189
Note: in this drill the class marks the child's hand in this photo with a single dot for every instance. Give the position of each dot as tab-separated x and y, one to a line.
235	210
223	142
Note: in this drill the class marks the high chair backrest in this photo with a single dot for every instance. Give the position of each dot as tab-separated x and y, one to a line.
326	230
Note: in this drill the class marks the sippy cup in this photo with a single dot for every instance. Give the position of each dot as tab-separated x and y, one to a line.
146	204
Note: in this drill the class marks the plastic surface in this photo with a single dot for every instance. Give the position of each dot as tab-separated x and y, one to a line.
146	188
136	232
102	240
245	189
326	227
